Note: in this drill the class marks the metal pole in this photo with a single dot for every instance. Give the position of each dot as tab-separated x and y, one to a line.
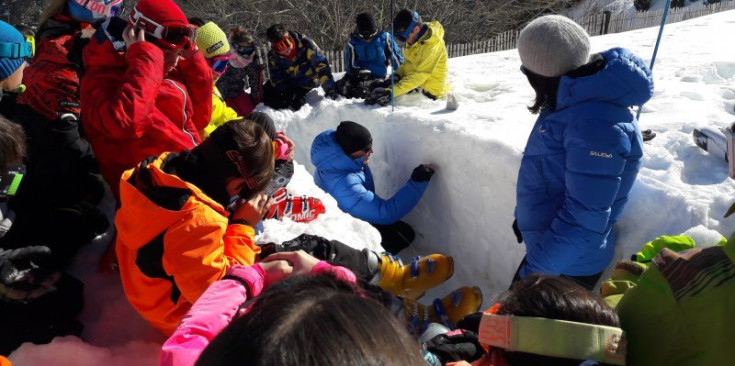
393	72
655	49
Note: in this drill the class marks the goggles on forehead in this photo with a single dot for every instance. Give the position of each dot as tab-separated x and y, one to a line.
553	338
283	45
16	50
402	35
172	37
219	63
243	50
10	181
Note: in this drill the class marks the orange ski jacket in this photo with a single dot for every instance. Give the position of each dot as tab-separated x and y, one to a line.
173	241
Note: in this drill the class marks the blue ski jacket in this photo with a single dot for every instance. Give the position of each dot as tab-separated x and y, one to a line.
351	184
579	164
308	70
374	55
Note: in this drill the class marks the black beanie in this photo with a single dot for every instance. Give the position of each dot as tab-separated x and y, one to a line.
265	121
366	24
402	20
352	137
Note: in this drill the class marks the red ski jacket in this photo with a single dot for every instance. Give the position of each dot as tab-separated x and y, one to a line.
51	78
131	111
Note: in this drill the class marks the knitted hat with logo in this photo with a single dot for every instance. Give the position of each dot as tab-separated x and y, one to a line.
212	40
91	10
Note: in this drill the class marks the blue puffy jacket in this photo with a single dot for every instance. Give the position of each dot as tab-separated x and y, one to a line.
579	164
351	184
373	55
308	70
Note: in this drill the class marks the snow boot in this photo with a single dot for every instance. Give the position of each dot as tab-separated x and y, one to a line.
414	279
298	209
447	311
711	139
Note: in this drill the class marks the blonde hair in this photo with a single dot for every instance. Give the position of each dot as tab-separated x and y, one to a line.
54	7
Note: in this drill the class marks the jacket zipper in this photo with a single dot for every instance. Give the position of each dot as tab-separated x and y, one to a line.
183	111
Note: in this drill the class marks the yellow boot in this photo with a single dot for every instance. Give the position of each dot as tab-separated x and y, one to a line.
413	279
447	311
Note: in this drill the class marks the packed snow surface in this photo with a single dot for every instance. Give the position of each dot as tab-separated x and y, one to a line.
468	209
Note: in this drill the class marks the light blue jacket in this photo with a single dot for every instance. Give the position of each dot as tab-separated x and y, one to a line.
351	184
579	164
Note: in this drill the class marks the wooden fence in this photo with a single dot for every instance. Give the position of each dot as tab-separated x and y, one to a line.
597	24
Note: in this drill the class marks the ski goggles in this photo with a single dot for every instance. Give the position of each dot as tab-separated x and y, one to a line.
283	45
219	63
551	337
367	36
244	51
16	50
170	37
403	34
10	181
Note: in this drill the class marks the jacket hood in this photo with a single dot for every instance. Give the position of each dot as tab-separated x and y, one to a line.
625	80
435	33
139	219
328	156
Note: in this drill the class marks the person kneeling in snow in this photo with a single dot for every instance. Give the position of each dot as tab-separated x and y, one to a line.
341	158
425	68
367	56
297	65
584	152
213	44
175	235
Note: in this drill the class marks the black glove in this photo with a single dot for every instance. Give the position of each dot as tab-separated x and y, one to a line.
458	347
517	231
422	173
24	269
297	103
379	96
332	94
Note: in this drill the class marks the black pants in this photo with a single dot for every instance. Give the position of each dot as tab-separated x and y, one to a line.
332	251
396	236
587	282
292	97
40	320
358	86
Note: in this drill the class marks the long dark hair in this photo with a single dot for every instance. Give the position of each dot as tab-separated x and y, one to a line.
546	89
553	298
310	321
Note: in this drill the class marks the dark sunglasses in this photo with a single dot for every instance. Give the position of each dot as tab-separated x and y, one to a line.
244	51
368	148
524	70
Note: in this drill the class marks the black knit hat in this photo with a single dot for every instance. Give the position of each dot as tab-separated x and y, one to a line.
265	121
366	24
353	137
402	20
